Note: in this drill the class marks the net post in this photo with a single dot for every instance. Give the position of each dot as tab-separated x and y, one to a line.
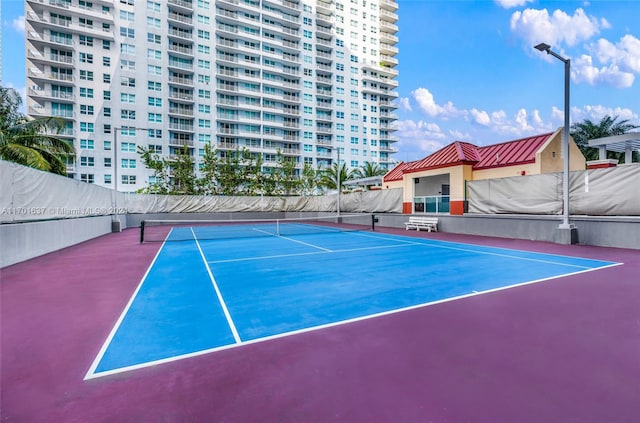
374	219
141	232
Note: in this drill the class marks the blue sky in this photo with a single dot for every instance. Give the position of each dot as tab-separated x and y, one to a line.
468	70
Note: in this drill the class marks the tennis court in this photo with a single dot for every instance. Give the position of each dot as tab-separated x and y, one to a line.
351	326
215	286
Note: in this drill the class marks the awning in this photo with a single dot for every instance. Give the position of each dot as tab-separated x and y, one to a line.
625	143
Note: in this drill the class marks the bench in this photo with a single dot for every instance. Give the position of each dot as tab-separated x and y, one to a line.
420	222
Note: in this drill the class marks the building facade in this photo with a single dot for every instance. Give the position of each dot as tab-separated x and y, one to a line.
300	78
437	183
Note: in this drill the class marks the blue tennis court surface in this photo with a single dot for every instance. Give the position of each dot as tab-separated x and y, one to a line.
202	296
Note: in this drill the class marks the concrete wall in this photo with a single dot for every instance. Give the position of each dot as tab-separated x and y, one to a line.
23	241
616	231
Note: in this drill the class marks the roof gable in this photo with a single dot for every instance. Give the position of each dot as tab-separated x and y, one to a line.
453	154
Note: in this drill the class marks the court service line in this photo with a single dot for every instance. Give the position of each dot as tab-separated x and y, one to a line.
295	240
311	253
232	325
437	244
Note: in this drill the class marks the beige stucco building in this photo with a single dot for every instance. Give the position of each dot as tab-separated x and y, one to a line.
437	183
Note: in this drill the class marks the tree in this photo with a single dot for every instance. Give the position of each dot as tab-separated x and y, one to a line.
587	130
175	175
369	169
32	142
329	177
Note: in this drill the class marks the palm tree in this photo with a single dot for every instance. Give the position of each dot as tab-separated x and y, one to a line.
30	142
329	178
369	169
587	130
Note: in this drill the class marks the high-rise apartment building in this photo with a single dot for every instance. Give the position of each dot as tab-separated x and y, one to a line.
303	78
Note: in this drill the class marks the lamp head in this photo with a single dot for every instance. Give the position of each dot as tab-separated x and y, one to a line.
543	47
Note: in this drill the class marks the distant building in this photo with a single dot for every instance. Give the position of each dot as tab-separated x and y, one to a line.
299	77
437	182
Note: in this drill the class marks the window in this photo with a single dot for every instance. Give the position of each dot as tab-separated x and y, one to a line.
154	86
127	98
128	114
87	177
128	179
86	40
154	117
86	110
86	75
86	92
107	179
106	145
126	81
87	161
128	163
127	32
154	38
154	133
154	54
107	162
86	127
85	57
86	144
128	147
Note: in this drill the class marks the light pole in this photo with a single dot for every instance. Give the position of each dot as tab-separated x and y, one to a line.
115	227
338	172
565	137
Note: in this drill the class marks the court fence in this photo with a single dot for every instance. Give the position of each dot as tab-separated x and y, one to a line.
595	192
42	212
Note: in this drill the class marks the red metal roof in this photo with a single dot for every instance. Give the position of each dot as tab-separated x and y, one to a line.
395	174
452	155
510	153
521	151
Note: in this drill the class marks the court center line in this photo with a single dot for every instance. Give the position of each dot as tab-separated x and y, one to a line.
311	253
294	240
232	325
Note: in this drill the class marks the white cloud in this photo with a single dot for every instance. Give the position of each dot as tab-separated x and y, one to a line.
18	24
459	136
535	26
583	70
596	112
427	104
480	117
419	139
625	54
508	4
405	104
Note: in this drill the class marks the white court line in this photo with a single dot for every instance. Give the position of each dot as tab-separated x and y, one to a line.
91	372
333	324
311	253
436	244
299	242
232	325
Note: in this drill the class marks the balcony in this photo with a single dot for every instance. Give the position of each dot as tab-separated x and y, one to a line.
182	4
